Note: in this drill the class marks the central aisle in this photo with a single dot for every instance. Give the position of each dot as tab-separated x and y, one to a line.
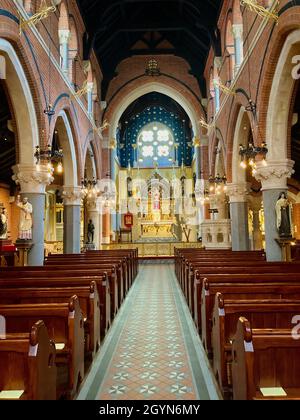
153	351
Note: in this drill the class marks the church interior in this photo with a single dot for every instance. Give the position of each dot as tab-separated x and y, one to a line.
149	200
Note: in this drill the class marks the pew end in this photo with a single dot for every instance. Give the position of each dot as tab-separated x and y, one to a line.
265	364
27	365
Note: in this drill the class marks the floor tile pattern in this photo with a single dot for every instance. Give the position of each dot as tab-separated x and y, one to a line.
151	361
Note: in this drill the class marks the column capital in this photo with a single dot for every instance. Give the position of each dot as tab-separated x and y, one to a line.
237	30
33	179
72	196
64	35
238	192
274	176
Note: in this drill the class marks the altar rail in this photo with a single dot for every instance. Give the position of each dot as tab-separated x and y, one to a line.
154	249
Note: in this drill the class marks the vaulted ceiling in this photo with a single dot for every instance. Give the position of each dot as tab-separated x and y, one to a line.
118	29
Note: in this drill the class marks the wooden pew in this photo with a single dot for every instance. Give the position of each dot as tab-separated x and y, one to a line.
27	365
112	270
203	295
38	277
239	291
197	274
223	260
275	314
264	359
123	258
65	327
213	256
131	254
88	301
119	278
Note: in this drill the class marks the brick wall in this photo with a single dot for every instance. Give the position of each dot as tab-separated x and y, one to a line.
255	78
44	78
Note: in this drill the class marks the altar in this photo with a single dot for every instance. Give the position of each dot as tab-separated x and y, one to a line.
163	229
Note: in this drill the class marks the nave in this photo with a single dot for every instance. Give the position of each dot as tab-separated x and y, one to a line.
153	351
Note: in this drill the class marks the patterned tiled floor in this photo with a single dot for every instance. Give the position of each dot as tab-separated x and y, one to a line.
152	350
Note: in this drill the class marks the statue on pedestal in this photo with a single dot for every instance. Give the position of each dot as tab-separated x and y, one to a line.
25	223
284	216
91	232
3	223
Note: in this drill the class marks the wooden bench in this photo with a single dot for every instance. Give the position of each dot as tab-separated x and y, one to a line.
275	314
118	284
194	283
132	254
65	327
264	359
88	301
123	276
196	263
201	295
239	291
64	278
27	365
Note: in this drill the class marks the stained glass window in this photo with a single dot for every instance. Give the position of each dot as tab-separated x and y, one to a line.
156	146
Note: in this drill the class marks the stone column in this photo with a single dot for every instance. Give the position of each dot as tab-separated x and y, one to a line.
94	214
72	220
273	178
33	184
237	31
239	216
256	205
64	38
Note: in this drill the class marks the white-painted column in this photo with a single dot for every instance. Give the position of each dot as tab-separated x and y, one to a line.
273	178
33	181
72	219
239	216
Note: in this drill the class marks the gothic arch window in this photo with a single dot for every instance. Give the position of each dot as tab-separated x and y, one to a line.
230	51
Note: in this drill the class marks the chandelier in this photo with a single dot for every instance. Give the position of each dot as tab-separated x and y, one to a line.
51	157
89	188
152	68
249	154
218	184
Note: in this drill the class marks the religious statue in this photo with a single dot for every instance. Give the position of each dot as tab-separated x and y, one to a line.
156	200
3	223
25	223
284	216
91	232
